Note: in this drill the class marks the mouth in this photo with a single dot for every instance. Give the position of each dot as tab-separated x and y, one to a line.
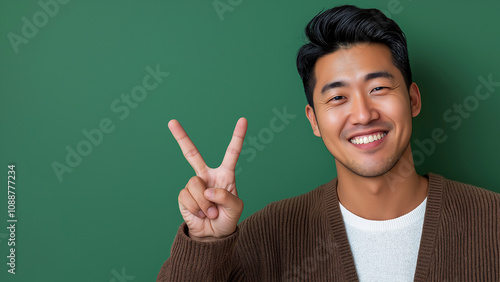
368	138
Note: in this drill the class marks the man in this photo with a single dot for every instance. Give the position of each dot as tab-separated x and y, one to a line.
370	223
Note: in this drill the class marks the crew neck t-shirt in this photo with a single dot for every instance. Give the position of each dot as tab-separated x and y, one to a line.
385	250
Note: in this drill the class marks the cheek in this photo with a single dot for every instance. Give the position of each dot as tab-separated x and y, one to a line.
397	108
331	122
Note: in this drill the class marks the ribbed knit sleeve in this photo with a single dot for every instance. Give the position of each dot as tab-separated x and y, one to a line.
191	260
466	246
288	240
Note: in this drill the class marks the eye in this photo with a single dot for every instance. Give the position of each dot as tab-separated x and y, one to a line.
378	88
337	98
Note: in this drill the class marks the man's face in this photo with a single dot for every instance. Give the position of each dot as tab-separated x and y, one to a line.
363	110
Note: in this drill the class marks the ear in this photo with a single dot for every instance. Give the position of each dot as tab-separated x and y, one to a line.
312	119
415	100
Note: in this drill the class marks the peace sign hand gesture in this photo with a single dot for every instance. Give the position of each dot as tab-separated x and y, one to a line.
209	203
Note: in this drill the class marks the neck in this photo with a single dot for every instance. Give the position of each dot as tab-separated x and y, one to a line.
383	197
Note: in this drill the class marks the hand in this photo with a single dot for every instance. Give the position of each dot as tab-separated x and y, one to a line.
209	204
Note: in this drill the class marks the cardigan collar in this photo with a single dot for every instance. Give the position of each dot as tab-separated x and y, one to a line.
427	242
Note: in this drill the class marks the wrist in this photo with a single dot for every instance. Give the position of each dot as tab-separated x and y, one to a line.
208	238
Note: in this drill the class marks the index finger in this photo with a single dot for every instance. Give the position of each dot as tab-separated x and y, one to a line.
188	148
234	149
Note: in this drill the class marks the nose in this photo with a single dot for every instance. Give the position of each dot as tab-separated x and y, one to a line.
362	110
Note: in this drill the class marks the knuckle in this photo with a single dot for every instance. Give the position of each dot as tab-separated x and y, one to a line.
183	194
191	153
179	138
242	205
232	150
184	197
195	182
238	136
222	194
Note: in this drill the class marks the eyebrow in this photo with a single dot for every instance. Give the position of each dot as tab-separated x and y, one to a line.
368	77
378	74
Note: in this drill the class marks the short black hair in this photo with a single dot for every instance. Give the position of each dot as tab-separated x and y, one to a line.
344	26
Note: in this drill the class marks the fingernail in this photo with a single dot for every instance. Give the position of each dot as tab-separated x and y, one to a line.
201	214
209	193
212	212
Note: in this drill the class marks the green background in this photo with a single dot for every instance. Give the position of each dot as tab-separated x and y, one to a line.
117	210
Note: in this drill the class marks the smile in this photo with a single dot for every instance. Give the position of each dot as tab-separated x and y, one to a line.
368	138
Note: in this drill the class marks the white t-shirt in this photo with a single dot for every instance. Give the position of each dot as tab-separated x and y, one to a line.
385	250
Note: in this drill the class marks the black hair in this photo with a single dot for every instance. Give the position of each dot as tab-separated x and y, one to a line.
345	26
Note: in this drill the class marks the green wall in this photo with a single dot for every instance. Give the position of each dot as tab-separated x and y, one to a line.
63	71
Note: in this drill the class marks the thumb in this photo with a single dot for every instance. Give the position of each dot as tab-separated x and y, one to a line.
226	199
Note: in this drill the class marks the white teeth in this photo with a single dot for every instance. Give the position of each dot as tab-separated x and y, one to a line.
368	139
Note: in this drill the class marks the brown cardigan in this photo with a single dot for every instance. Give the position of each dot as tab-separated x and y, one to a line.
304	238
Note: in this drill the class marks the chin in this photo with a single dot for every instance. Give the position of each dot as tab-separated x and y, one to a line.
367	173
372	170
